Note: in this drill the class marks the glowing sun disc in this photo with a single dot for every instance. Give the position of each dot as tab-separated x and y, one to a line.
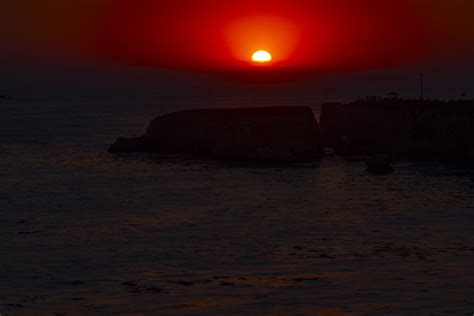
262	56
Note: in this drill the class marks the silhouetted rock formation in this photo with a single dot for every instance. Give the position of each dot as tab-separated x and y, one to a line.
261	135
404	128
380	165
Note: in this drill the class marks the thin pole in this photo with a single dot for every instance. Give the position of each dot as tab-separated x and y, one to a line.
421	86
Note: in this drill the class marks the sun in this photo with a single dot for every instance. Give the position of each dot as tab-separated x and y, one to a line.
261	56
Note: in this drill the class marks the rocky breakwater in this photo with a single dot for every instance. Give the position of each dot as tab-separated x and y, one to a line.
256	135
401	128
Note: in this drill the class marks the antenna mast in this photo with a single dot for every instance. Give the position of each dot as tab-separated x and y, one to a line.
422	94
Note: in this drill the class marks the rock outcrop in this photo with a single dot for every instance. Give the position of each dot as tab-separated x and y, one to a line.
260	135
379	165
400	128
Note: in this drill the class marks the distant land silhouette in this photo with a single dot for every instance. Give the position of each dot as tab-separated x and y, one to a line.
395	127
404	128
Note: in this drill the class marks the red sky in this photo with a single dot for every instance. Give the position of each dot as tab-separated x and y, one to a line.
207	34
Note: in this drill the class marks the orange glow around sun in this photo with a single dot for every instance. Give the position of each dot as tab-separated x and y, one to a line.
248	35
296	34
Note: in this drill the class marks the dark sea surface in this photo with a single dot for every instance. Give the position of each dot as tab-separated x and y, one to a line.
85	232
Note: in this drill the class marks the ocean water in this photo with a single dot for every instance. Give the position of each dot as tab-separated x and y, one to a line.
85	232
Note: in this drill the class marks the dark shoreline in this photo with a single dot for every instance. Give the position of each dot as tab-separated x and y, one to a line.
401	128
404	129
